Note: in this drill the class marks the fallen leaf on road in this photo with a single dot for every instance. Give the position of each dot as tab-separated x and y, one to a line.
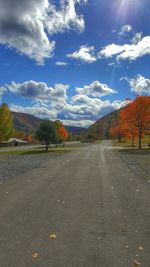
34	255
52	236
136	263
140	248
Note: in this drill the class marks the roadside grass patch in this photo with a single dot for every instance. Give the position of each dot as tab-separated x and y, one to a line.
33	152
44	152
125	143
63	147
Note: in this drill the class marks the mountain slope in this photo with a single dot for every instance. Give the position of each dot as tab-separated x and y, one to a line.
100	129
29	124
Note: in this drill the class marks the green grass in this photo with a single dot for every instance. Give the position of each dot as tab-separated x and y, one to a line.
63	147
33	152
127	143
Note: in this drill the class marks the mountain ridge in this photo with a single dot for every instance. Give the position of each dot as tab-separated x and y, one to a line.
29	124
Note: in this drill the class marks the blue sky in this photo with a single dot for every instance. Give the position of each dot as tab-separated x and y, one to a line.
74	60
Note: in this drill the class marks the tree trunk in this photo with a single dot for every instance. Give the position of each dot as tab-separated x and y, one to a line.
132	142
140	141
46	147
119	138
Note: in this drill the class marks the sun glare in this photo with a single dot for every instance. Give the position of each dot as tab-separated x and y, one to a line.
125	8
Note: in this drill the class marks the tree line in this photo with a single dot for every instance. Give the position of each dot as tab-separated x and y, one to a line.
48	132
133	123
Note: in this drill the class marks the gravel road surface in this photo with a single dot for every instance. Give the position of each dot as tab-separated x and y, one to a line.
86	208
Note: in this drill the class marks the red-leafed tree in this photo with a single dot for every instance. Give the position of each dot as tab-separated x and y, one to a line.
29	139
136	117
141	115
127	121
63	133
117	130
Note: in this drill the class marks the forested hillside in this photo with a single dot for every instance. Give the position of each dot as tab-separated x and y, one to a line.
29	124
100	129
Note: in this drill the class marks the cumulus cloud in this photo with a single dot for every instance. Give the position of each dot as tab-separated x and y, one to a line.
61	63
80	111
127	51
38	90
37	111
140	85
54	102
85	54
65	18
24	25
95	89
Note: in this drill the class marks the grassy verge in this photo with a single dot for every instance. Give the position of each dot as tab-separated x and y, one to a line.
32	152
127	144
63	147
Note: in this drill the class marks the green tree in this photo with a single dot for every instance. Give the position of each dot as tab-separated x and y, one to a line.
6	123
47	133
58	124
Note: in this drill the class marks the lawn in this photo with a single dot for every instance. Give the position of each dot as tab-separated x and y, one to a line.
125	143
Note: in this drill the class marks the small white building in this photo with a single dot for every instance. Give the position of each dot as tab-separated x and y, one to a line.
14	142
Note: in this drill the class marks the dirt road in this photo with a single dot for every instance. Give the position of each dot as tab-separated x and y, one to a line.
94	206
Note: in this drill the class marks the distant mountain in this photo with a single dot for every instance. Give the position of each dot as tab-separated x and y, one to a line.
29	124
100	129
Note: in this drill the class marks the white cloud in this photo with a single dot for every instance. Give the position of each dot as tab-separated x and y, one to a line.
24	25
127	51
81	111
61	63
37	111
140	85
54	102
136	38
125	29
80	123
3	90
38	90
64	18
85	54
95	89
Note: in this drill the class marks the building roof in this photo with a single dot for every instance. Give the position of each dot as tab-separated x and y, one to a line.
17	140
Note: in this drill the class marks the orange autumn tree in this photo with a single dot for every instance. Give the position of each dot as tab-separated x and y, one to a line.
63	133
127	121
136	117
117	130
29	139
